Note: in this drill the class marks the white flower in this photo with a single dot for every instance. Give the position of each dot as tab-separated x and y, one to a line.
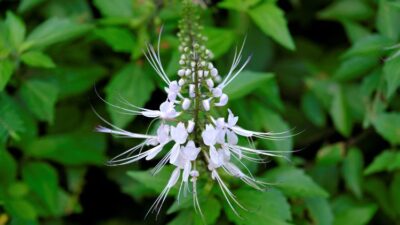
179	133
209	135
223	100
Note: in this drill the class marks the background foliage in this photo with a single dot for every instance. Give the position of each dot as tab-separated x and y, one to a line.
329	70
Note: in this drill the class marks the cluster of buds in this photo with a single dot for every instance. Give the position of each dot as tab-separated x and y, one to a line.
188	125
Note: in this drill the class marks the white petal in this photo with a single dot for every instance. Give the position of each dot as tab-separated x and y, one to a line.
174	178
209	135
232	138
214	156
186	171
179	133
174	153
153	153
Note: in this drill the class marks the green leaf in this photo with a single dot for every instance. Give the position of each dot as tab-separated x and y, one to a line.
313	109
294	182
42	179
133	85
330	154
395	193
119	39
21	209
219	40
371	185
352	171
37	59
246	82
120	8
53	31
239	5
270	94
26	5
184	217
154	182
349	212
8	167
270	19
387	20
340	113
16	29
40	97
11	122
70	149
388	126
386	161
320	211
355	67
391	73
351	10
369	45
262	208
6	71
355	31
76	80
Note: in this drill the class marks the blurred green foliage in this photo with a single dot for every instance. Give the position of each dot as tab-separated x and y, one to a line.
338	91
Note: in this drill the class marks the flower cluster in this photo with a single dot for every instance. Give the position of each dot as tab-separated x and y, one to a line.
188	125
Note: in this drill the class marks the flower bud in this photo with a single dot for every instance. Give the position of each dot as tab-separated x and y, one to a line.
217	92
223	100
190	126
191	90
188	72
185	104
181	62
181	82
206	72
210	83
214	72
210	66
206	104
181	72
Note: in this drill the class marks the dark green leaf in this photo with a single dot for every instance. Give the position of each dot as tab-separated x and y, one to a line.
371	185
246	82
37	59
355	31
391	72
40	97
313	109
388	126
340	113
320	210
294	182
70	149
331	154
270	19
369	45
351	10
42	179
8	167
355	67
11	122
26	5
349	212
154	182
132	85
6	70
119	39
352	171
395	193
240	5
21	209
121	8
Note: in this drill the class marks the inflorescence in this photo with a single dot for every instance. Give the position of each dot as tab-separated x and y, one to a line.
188	123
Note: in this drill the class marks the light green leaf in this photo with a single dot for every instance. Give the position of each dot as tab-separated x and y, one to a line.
239	5
330	154
352	171
263	208
313	109
355	67
388	160
294	182
16	29
37	59
350	9
219	40
270	19
52	31
246	82
184	217
320	211
70	149
42	179
355	31
388	126
387	20
395	193
270	94
8	167
119	39
349	212
131	84
6	71
391	73
340	113
40	97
